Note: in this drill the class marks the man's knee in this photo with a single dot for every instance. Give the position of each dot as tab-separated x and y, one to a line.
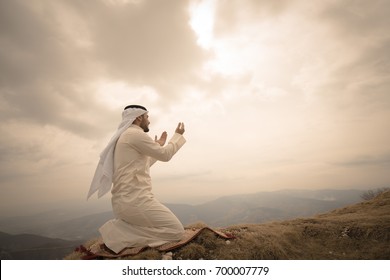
178	231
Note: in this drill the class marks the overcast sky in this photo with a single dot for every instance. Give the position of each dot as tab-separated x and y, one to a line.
274	94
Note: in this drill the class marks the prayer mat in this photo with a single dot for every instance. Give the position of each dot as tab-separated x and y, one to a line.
100	250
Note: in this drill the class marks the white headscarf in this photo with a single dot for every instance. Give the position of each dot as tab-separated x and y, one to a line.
102	180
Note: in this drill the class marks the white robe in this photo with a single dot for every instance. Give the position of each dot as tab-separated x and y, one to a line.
140	219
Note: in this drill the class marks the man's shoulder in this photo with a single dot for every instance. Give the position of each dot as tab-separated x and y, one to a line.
133	129
133	132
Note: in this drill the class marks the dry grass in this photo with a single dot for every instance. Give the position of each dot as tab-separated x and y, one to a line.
360	231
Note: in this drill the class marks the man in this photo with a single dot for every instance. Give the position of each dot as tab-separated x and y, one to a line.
140	220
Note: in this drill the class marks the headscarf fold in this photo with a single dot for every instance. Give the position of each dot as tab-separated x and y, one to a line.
102	180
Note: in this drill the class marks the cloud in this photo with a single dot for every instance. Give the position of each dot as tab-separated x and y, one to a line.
53	52
366	161
146	42
360	27
41	68
357	19
230	15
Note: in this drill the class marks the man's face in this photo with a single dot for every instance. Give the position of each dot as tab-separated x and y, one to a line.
145	122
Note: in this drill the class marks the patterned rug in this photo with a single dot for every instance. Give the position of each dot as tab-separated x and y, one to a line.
100	250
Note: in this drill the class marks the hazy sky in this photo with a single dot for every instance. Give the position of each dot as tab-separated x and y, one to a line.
274	94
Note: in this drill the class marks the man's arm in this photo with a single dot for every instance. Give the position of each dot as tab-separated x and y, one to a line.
161	141
147	146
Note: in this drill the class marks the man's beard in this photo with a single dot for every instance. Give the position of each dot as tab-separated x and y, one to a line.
145	128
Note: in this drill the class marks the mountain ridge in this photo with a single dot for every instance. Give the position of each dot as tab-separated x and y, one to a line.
34	247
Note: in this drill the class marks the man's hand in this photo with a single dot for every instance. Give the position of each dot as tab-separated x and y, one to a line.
180	128
162	140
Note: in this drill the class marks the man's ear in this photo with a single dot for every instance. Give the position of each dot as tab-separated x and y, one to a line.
136	120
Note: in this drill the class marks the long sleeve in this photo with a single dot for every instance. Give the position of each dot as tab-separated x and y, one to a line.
177	138
147	146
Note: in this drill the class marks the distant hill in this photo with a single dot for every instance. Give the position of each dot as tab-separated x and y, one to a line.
358	231
235	209
34	247
265	206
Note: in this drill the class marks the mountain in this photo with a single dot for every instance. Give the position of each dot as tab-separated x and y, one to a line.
247	208
42	222
265	206
34	247
359	231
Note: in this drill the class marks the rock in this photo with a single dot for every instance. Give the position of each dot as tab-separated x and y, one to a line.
167	256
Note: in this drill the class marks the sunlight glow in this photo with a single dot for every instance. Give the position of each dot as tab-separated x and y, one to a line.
246	52
249	49
202	21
